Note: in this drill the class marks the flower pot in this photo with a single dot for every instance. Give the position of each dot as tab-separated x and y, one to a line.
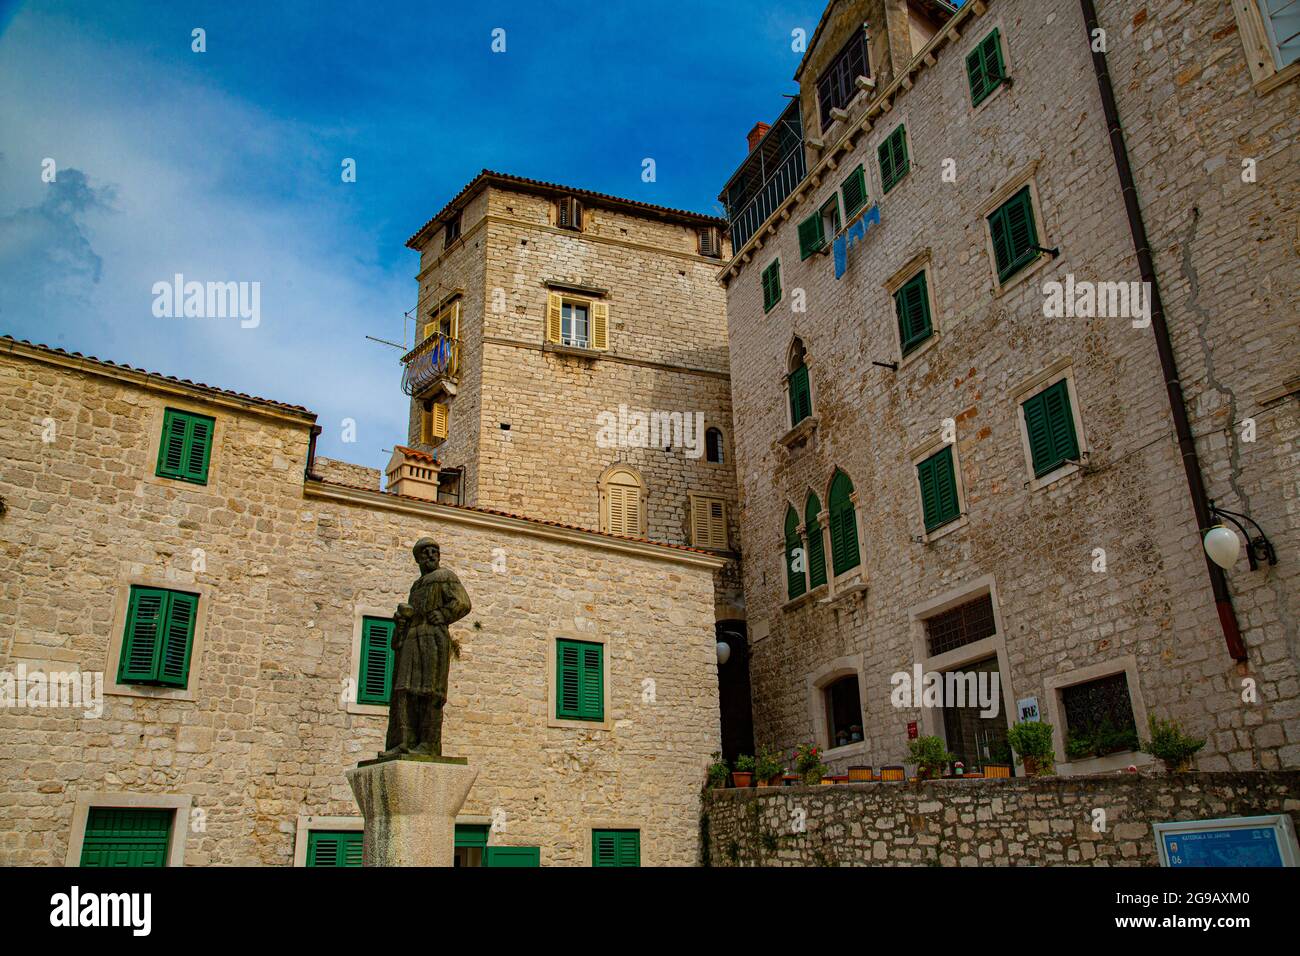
827	781
742	778
892	773
859	774
998	770
1186	765
771	781
792	780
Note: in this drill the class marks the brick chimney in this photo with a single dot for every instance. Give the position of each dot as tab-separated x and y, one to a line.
756	134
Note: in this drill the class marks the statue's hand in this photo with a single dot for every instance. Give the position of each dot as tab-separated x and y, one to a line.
405	611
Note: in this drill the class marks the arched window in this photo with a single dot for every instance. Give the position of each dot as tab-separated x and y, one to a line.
713	446
795	560
797	385
816	546
843	525
622	508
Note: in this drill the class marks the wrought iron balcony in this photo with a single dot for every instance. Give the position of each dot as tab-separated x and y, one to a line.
769	174
430	364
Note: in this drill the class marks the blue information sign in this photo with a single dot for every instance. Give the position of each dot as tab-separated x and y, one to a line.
1235	841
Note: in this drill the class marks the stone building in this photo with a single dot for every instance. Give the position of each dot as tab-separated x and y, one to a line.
958	450
160	536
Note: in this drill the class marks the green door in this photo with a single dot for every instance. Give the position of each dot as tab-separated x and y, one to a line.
512	856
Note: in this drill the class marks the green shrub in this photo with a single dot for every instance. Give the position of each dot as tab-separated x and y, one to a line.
1169	744
768	764
718	770
1032	739
745	764
930	755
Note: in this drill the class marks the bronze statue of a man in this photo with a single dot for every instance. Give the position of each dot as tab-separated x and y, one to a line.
422	649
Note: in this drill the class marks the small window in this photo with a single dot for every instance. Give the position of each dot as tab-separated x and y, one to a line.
912	307
434	424
894	163
710	242
985	69
622	511
837	84
708	522
771	285
961	625
812	237
334	848
576	322
471	840
812	508
159	637
186	446
843	711
1098	718
452	231
1282	24
579	680
575	325
938	482
843	525
568	213
1049	423
375	682
126	836
854	191
615	847
795	563
1014	234
830	213
798	386
713	446
445	322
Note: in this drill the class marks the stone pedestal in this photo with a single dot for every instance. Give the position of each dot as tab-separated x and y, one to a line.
410	805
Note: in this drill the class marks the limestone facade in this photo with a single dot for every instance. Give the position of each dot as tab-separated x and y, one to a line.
285	569
1095	569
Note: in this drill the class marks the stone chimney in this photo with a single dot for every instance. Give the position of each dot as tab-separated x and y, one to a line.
757	133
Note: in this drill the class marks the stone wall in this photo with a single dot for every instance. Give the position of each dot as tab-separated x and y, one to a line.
1098	571
346	473
1038	822
270	723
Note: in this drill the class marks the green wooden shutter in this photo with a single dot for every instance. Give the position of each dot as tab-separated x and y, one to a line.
938	482
795	581
611	848
816	556
178	638
472	835
186	446
854	191
512	856
375	682
580	692
912	306
800	395
145	624
1049	423
894	163
126	836
844	530
334	848
812	235
1015	237
985	68
771	285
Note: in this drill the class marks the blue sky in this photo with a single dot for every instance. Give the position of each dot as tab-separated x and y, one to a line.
225	165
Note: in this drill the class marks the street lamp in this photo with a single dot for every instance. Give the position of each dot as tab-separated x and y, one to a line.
1224	547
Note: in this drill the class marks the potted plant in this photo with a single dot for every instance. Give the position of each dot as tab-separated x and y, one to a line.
743	775
1032	740
998	763
718	772
1171	746
768	767
808	763
930	756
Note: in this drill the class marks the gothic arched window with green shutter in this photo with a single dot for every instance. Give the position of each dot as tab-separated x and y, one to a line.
816	546
159	637
579	680
912	306
843	525
375	680
615	847
797	385
186	446
796	562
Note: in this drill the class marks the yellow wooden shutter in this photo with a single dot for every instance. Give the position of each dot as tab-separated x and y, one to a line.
426	427
632	510
615	513
455	319
600	326
439	424
708	523
554	315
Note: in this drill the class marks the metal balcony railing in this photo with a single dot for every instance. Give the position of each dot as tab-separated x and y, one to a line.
435	360
769	173
780	183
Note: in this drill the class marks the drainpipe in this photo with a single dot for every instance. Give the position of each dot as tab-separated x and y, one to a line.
1168	364
311	454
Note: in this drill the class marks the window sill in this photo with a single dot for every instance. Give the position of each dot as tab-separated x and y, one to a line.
800	433
572	350
1279	78
845	752
929	537
1001	288
911	357
369	710
847	585
567	724
1057	474
151	691
806	598
1107	764
997	90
